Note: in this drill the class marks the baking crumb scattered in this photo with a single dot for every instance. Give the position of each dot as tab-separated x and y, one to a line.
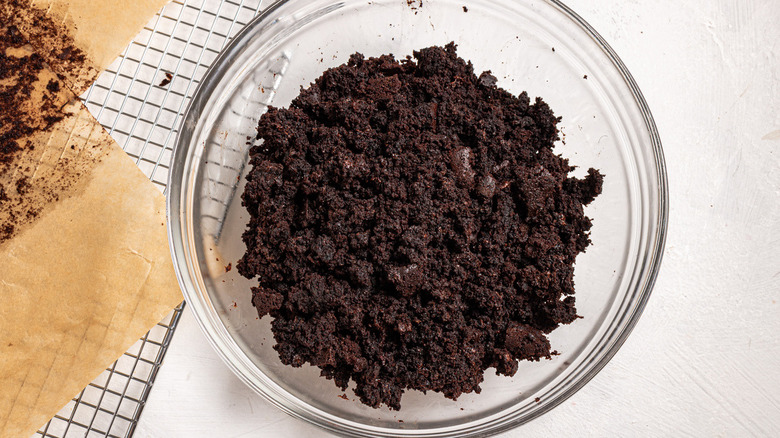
167	79
414	4
53	86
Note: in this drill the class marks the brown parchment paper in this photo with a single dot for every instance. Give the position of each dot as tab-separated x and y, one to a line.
80	286
87	270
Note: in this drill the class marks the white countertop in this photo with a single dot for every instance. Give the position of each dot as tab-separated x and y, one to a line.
704	359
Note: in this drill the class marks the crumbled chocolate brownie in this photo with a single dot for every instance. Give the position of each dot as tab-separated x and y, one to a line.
166	80
411	226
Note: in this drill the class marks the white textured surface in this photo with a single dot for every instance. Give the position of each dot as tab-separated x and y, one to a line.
704	359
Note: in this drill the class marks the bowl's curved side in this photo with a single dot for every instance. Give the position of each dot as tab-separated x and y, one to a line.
660	220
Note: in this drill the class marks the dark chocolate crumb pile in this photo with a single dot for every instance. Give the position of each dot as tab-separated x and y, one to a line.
411	226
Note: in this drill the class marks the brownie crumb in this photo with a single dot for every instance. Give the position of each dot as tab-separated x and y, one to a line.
167	80
6	231
228	267
22	185
465	9
411	226
414	4
53	86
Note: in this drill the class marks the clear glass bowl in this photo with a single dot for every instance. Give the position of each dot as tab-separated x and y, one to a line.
538	46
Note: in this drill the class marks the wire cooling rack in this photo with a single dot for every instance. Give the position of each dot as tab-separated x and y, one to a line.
139	100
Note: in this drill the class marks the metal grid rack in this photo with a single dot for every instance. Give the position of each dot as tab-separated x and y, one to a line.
141	113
